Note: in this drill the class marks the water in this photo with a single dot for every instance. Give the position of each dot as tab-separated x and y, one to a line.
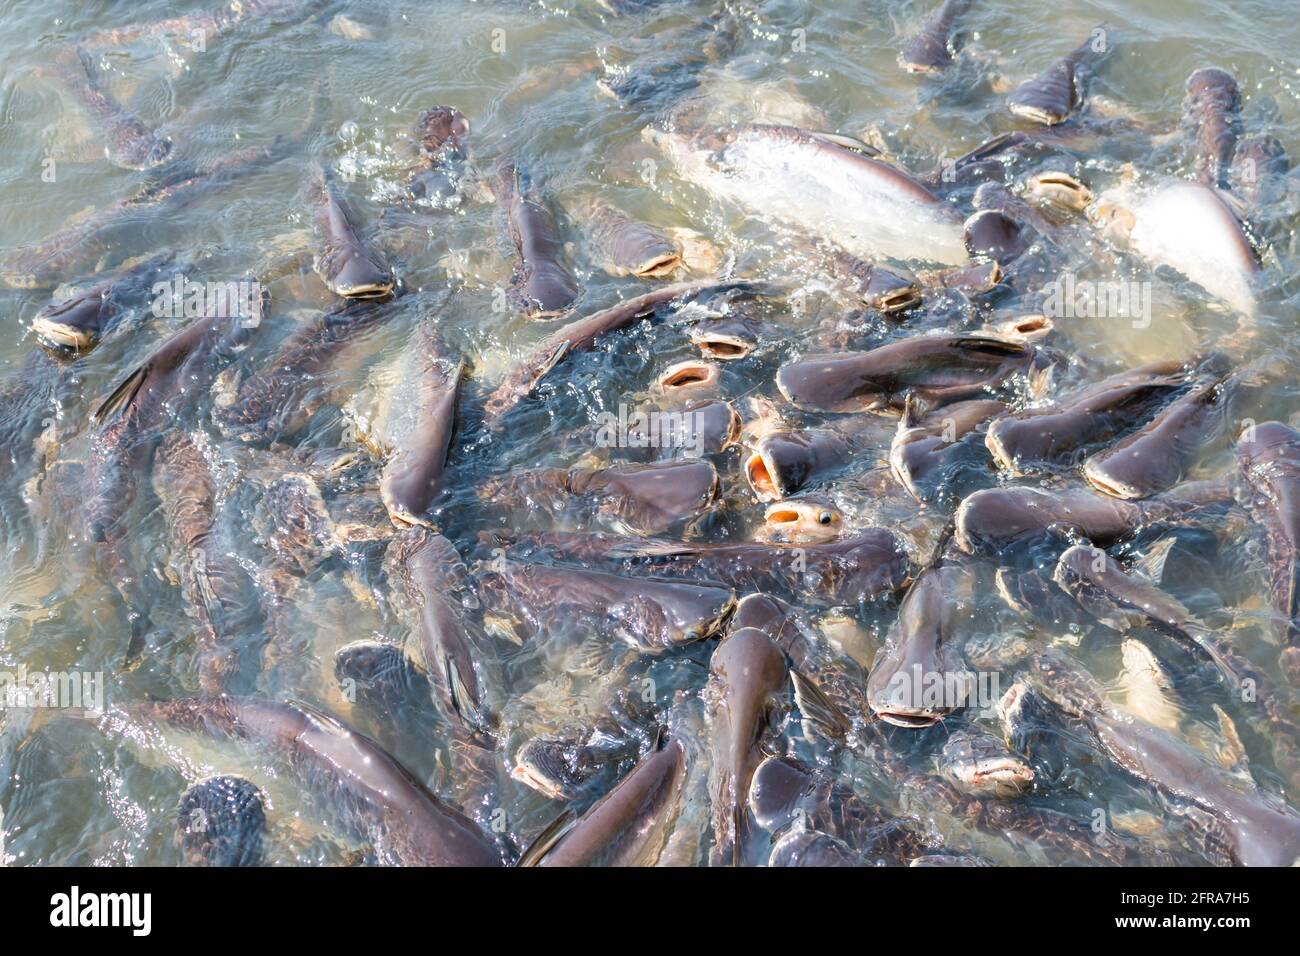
354	76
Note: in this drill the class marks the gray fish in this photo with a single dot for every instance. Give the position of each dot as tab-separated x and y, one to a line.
559	764
1268	455
811	848
127	426
629	826
677	56
782	462
994	519
410	421
1051	96
850	570
1057	434
221	822
926	448
727	339
77	324
785	790
542	287
207	24
1259	168
1158	455
747	675
919	676
1241	824
128	142
436	586
930	50
650	615
1210	111
980	764
292	386
441	132
381	681
217	590
578	336
625	247
408	825
639	499
345	264
935	368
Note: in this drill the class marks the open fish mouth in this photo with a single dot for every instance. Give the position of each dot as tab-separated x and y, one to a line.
912	720
764	478
688	376
1110	486
659	267
61	337
1039	114
897	301
999	776
1061	191
720	346
801	522
364	291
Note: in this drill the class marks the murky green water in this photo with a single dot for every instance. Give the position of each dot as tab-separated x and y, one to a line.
354	76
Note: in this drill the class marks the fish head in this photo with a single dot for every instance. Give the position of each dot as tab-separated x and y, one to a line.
74	325
221	821
690	377
1059	191
440	126
982	765
358	277
1113	215
802	521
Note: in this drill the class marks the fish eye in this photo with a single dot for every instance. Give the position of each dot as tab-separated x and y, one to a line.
825	517
691	635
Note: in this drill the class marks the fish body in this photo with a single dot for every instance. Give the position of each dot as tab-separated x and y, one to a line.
811	182
542	286
1051	96
930	50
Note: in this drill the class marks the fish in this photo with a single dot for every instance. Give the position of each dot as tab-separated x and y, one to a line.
344	263
295	383
930	49
438	593
579	336
811	848
1258	170
853	569
128	143
76	324
559	764
636	499
441	132
1242	826
217	590
647	614
630	825
205	24
808	520
375	794
919	676
980	764
676	58
1059	433
127	426
927	449
542	286
995	519
784	461
622	246
222	822
386	685
822	187
786	790
1188	227
1210	110
86	239
937	369
1053	95
727	339
747	675
1159	454
1268	459
410	423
